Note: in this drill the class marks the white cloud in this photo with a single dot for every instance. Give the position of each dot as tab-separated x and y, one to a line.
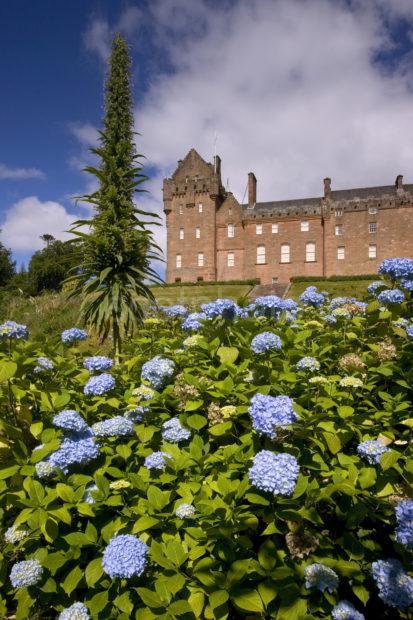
85	133
20	173
29	218
97	38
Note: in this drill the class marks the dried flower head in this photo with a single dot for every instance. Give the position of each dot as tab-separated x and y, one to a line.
214	414
386	351
351	361
300	544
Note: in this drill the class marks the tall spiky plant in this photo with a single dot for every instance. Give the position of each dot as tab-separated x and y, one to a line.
112	279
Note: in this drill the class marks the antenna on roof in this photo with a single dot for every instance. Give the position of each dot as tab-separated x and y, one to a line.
215	143
227	184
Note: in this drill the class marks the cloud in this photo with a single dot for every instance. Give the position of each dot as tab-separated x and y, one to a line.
99	34
20	173
86	133
29	218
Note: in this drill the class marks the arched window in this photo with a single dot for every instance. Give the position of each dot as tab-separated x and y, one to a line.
310	252
260	254
285	253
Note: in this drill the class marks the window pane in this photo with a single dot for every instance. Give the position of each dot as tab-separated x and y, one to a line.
197	232
339	230
230	259
339	212
178	261
341	253
285	253
200	207
258	229
310	252
230	230
274	228
181	209
372	251
372	227
181	233
260	254
200	259
305	226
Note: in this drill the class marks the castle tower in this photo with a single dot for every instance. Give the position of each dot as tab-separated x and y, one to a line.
191	197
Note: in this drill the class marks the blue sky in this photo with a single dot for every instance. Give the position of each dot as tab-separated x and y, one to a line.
295	90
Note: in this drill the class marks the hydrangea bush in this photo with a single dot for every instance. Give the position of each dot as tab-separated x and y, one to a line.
209	479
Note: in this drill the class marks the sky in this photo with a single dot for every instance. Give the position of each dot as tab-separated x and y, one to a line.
292	90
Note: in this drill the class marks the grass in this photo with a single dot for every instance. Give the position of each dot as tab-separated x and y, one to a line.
344	288
192	296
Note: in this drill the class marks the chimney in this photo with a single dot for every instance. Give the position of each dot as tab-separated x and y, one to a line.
327	187
399	181
217	165
252	190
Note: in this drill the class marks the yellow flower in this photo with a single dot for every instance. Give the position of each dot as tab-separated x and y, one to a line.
119	484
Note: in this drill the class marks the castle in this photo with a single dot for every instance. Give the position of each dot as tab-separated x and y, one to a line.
211	236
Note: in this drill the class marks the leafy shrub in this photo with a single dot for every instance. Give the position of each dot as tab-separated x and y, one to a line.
225	518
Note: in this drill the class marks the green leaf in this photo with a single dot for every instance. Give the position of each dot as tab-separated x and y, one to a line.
176	553
228	355
192	405
179	608
248	600
7	371
157	498
292	610
197	601
97	603
149	597
66	493
333	442
8	472
124	603
257	499
388	459
267	555
35	491
77	539
144	523
93	572
72	580
220	429
196	421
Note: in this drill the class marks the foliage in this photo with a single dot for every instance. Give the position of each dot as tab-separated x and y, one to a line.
7	265
244	552
119	247
49	267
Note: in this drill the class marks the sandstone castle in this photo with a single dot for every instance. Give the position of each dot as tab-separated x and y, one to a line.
211	236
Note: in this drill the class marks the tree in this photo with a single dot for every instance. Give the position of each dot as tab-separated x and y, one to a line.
118	249
7	266
48	268
47	239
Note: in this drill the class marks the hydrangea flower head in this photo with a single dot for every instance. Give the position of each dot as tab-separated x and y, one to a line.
268	412
77	611
275	473
371	450
225	308
308	363
409	331
156	460
14	535
374	286
158	371
43	365
265	342
193	341
44	469
143	392
404	516
175	311
26	573
397	268
193	321
74	450
311	297
346	611
391	296
402	323
318	380
174	432
99	384
116	485
351	382
11	329
407	283
185	511
70	420
330	319
135	415
74	334
118	426
271	306
394	585
87	496
97	362
321	577
125	556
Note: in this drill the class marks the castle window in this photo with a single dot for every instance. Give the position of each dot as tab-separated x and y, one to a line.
197	232
260	254
339	230
274	228
181	209
341	254
200	207
339	212
372	251
372	227
305	226
229	211
258	229
230	259
285	253
230	230
373	210
181	233
200	259
310	252
178	261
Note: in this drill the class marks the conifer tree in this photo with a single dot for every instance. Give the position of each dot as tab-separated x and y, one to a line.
119	247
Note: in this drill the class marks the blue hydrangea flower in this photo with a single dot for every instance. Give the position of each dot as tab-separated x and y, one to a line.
404	516
99	384
407	284
97	362
77	611
275	473
175	311
402	323
174	432
225	308
397	268
330	319
409	331
265	342
43	365
14	534
156	460
74	450
125	556
268	412
26	573
135	415
70	420
391	296
337	302
185	511
74	334
321	577
117	426
308	363
371	450
311	297
193	320
44	469
143	392
346	611
394	585
271	306
11	329
158	371
374	286
87	496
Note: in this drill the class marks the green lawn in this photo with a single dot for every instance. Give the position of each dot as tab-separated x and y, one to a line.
345	288
194	295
